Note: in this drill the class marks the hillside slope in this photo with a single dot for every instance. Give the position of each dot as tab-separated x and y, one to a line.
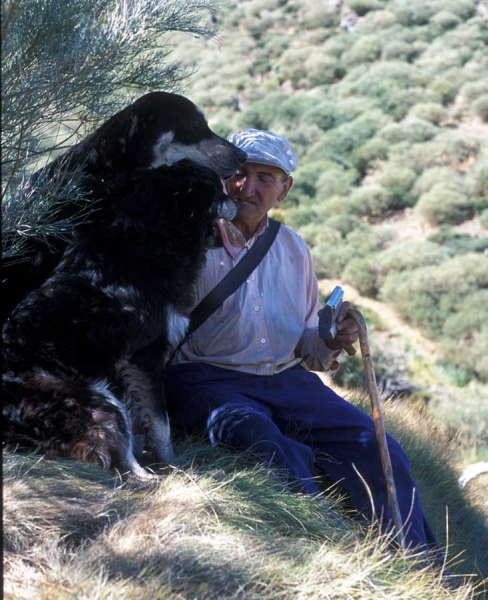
386	102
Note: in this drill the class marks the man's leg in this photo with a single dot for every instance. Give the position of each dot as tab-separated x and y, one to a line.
206	399
346	450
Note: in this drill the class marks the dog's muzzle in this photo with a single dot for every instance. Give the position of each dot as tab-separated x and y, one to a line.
228	210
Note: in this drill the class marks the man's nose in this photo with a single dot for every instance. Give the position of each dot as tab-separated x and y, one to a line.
246	187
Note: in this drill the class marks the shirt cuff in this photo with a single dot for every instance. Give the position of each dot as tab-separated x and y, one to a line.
330	359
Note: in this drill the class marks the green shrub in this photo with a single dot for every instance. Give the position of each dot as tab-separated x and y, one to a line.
465	9
443	205
472	90
362	274
367	239
484	218
337	44
319	233
313	15
480	107
429	111
366	49
305	179
362	7
299	216
438	58
373	150
398	181
338	143
410	129
382	79
466	334
398	50
330	259
261	114
434	176
427	296
336	182
413	12
447	89
351	108
407	256
289	112
291	66
331	206
302	137
306	69
324	114
343	223
443	21
458	243
447	148
399	102
368	201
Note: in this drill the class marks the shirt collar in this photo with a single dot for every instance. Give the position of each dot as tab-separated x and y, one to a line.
233	240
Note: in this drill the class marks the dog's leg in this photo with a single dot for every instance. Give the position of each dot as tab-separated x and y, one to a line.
147	410
122	452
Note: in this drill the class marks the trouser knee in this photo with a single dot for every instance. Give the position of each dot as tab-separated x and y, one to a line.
239	427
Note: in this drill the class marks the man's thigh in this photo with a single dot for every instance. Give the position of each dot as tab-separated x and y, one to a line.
196	391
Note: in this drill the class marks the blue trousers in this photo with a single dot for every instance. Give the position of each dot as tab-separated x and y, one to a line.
294	422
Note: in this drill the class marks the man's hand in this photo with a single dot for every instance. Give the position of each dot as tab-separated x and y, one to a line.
347	330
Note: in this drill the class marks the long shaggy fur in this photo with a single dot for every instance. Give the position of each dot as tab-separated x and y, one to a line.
158	129
84	353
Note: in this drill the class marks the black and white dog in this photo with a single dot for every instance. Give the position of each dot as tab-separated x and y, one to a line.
84	353
158	129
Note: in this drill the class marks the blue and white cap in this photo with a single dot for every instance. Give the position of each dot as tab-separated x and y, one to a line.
266	148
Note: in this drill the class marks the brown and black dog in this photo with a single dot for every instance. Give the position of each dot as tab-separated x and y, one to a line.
84	349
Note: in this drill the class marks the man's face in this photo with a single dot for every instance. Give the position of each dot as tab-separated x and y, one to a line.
257	188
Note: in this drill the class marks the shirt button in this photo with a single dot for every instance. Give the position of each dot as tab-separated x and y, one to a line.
268	365
256	308
263	340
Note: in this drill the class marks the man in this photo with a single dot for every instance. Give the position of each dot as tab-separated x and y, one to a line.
244	377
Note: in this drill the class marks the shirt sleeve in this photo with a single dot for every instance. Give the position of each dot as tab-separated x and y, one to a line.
311	348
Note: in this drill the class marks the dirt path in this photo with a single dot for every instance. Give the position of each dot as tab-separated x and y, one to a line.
394	330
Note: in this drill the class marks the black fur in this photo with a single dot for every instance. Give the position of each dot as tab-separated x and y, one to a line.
92	340
158	129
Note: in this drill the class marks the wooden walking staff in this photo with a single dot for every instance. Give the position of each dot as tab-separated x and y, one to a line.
379	424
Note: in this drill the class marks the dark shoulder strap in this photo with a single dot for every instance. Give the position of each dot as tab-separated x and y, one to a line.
234	278
229	284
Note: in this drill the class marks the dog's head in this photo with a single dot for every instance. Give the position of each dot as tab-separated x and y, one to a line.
158	129
183	192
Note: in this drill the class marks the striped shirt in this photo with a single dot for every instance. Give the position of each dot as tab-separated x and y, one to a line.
270	323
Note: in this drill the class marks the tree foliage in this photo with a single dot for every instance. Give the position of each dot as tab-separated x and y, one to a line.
67	65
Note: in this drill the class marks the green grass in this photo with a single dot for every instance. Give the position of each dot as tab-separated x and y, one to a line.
218	526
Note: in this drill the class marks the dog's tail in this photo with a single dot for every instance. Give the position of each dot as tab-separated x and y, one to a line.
72	419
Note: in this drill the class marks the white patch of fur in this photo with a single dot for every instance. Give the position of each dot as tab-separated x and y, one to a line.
133	126
11	379
160	150
147	418
42	374
177	325
102	387
128	461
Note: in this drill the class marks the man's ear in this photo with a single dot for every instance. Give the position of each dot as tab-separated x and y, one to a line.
286	188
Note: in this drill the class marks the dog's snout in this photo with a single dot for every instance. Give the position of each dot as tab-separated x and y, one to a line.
241	156
228	209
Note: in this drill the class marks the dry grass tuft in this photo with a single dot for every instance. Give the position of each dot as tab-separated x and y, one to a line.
216	526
